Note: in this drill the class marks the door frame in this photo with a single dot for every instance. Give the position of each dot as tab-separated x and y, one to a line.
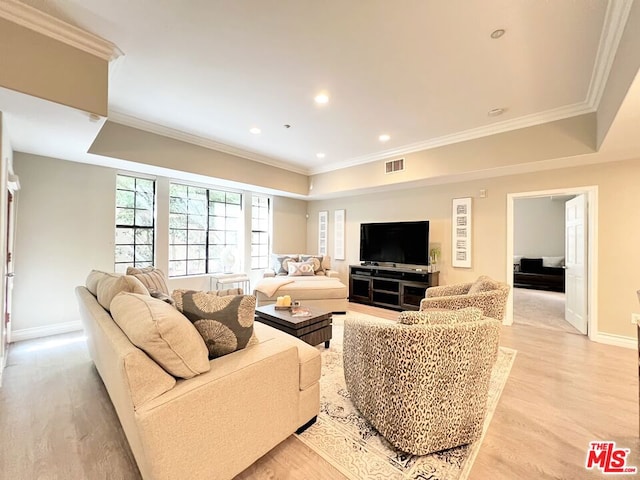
591	195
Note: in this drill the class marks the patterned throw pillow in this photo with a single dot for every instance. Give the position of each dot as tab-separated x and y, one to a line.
434	317
316	260
280	263
151	277
224	322
301	269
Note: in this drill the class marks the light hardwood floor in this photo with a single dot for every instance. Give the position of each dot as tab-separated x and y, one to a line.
56	421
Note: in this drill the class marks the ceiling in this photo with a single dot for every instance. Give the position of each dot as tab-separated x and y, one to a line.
425	72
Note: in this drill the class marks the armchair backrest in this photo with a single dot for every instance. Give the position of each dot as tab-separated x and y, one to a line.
400	376
492	299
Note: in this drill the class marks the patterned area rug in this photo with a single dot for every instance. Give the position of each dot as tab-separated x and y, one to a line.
353	446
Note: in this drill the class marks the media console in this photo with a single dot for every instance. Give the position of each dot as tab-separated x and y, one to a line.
389	287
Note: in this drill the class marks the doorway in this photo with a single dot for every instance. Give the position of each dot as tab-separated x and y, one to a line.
588	295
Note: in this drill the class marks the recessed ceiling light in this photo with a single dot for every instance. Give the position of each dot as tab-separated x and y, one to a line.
384	137
320	155
321	98
494	112
255	131
498	33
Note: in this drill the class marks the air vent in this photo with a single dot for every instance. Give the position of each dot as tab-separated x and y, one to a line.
394	166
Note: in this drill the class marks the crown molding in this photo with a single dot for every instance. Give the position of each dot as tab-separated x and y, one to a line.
615	20
52	27
499	127
134	122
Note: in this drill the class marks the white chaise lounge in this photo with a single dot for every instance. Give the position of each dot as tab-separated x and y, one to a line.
316	287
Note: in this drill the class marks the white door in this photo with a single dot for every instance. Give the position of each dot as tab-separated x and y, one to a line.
576	263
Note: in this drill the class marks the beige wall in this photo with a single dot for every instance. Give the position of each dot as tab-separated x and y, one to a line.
64	229
623	71
128	143
66	215
619	227
562	138
538	227
38	65
289	215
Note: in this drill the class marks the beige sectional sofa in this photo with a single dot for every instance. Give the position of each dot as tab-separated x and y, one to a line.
219	422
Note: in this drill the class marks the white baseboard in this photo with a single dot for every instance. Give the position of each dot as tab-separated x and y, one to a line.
46	331
617	340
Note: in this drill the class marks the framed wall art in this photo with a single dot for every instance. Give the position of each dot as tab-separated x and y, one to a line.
338	232
461	232
323	231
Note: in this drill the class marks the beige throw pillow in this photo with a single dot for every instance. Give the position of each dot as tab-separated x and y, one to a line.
161	331
112	284
426	317
151	277
93	279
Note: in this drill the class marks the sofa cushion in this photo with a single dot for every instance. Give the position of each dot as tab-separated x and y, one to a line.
483	284
162	332
280	263
308	357
224	322
531	265
111	285
93	279
434	317
151	277
301	269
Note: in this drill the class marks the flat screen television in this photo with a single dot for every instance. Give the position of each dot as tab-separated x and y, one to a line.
395	242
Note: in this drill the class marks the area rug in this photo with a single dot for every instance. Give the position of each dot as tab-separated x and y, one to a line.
347	441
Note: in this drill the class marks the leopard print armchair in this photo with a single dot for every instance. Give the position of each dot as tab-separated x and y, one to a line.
423	387
485	293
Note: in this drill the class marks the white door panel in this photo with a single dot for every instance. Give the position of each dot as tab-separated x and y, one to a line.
576	263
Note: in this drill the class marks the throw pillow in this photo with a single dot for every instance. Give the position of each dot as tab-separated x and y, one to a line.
161	331
93	279
152	278
301	269
224	322
435	317
112	284
316	260
483	284
280	263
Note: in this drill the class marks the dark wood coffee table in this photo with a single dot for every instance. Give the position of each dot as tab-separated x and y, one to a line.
314	329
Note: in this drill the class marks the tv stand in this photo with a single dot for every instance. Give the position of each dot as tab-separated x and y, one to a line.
389	287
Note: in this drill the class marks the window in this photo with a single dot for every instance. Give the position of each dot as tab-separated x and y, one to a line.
260	233
135	207
204	227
